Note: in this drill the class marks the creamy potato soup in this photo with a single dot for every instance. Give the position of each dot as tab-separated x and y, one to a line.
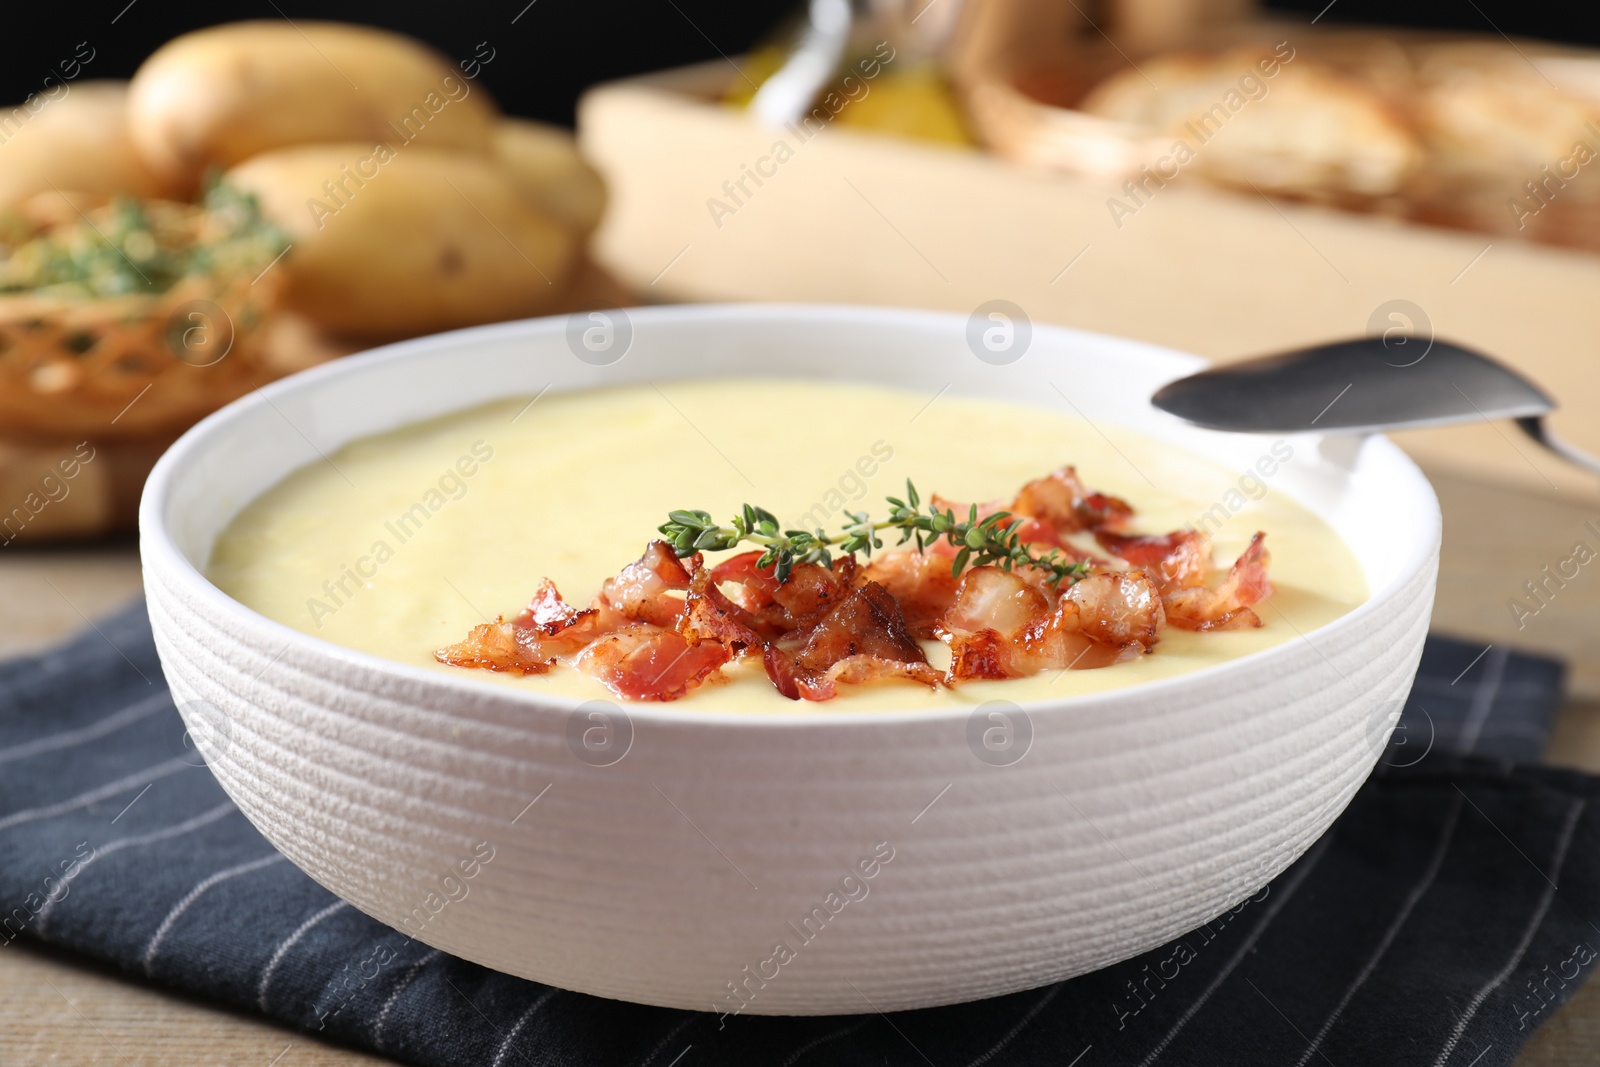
401	544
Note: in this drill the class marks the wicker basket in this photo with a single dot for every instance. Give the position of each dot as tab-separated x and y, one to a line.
134	366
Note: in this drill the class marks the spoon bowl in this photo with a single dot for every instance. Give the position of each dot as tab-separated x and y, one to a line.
1368	385
1362	386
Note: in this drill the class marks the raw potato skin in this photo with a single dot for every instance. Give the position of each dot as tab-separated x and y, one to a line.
545	162
219	96
79	142
431	241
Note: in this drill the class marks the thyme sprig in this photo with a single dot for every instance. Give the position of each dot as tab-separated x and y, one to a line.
990	540
133	246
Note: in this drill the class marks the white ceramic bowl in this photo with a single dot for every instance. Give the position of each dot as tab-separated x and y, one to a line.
673	873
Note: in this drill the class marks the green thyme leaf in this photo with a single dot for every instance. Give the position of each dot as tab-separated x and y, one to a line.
993	540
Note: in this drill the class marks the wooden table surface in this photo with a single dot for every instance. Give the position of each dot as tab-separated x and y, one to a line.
61	1011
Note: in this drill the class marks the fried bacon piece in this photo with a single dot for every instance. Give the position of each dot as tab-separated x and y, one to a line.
774	607
645	590
812	591
1061	501
861	639
988	598
1181	560
1119	608
709	615
1227	607
1178	560
548	627
921	581
1004	626
816	630
644	662
755	584
495	646
553	618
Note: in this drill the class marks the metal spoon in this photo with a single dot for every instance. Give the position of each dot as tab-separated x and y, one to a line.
1369	385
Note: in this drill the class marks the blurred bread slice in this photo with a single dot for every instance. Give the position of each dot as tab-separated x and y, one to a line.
1309	131
1514	141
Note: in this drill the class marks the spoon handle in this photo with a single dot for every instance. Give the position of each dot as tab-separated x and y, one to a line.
1534	426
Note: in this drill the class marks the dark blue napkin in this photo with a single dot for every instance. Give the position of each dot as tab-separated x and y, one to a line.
1448	912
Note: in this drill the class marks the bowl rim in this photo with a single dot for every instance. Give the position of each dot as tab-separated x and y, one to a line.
157	547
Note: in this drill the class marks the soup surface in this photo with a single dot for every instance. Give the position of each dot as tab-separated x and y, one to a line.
399	544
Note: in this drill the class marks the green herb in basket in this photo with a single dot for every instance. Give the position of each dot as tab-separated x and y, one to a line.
132	247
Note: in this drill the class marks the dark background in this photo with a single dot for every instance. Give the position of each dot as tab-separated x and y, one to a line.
555	48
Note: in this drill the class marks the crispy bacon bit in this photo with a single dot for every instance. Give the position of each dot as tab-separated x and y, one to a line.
986	622
774	608
1178	560
813	590
1060	501
548	627
550	616
643	591
755	584
852	670
497	646
1247	580
709	615
1229	606
989	598
1003	626
921	582
862	638
642	662
1121	609
866	670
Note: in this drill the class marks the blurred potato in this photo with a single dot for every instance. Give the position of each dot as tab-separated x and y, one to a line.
77	143
218	96
545	163
393	243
